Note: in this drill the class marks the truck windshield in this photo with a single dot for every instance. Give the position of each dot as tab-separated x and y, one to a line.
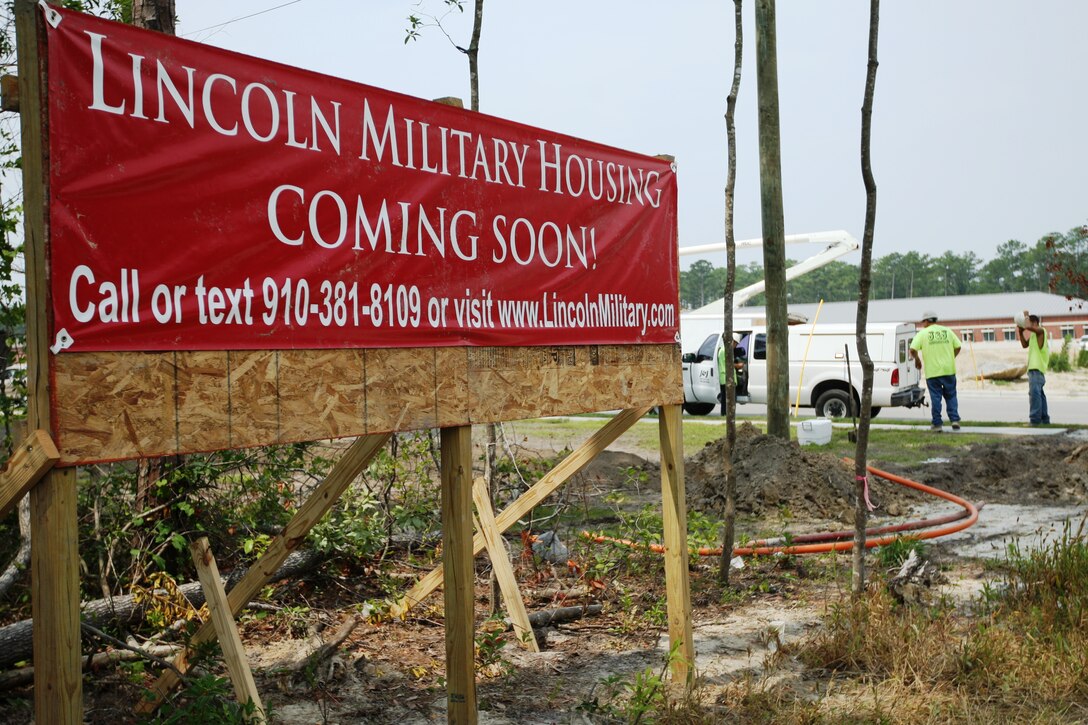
708	348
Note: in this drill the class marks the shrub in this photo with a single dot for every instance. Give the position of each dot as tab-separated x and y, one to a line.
1061	363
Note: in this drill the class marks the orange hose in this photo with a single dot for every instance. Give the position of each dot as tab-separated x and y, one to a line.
971	509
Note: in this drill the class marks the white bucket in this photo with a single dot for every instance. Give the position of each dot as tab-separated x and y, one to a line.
814	432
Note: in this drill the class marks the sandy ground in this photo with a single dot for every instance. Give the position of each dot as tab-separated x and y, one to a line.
985	358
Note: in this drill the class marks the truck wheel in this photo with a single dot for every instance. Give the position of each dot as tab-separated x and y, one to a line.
699	408
874	411
833	404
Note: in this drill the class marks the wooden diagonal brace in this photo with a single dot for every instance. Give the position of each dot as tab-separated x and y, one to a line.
31	460
354	460
241	676
525	503
500	562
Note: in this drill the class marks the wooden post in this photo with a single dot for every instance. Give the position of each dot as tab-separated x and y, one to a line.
460	577
527	501
54	557
245	689
675	521
500	563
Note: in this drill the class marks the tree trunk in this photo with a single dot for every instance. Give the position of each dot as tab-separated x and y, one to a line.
474	55
729	515
548	617
154	15
774	235
864	278
16	642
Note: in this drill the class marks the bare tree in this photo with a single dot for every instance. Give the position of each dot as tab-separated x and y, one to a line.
861	502
473	54
774	235
729	518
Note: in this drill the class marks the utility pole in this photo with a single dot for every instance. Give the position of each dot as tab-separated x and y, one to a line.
774	235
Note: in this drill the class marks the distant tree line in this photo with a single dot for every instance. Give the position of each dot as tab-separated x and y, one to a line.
1057	263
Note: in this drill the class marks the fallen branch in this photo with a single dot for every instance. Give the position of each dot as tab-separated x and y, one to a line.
25	675
16	640
126	646
549	617
326	650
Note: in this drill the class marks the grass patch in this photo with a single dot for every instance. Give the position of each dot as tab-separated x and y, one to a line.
912	444
903	446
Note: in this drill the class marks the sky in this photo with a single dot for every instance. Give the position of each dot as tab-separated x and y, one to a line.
978	127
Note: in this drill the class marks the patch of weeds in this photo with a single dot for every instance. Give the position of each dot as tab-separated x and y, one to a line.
208	700
1020	655
292	621
625	699
894	554
490	641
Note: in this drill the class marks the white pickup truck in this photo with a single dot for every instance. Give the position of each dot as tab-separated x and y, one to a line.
818	356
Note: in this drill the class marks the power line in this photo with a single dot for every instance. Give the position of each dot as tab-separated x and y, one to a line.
243	17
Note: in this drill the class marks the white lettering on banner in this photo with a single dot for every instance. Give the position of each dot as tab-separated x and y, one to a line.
527	242
115	301
624	185
488	163
437	231
255	97
302	302
224	305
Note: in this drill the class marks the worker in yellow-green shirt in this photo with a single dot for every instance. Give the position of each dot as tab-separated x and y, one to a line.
1033	336
739	356
934	350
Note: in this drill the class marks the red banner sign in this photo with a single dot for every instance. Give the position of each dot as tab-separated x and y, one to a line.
202	199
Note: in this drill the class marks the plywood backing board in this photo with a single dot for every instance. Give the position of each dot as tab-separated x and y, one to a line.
254	397
115	406
111	406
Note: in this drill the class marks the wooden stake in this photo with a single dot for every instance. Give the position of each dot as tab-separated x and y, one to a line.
30	461
58	681
245	689
354	460
529	500
460	576
674	519
500	563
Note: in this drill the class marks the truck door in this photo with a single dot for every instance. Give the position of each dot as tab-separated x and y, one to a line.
704	371
757	367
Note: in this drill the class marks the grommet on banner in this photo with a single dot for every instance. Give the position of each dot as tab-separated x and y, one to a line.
51	16
64	341
673	167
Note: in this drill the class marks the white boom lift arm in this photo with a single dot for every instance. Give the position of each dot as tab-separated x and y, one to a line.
839	243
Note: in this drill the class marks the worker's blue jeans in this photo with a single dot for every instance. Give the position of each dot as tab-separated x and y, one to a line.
943	387
1038	412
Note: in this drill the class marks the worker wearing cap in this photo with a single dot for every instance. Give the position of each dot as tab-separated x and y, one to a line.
1033	336
934	350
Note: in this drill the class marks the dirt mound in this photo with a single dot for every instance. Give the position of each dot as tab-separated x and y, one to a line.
1041	469
772	474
